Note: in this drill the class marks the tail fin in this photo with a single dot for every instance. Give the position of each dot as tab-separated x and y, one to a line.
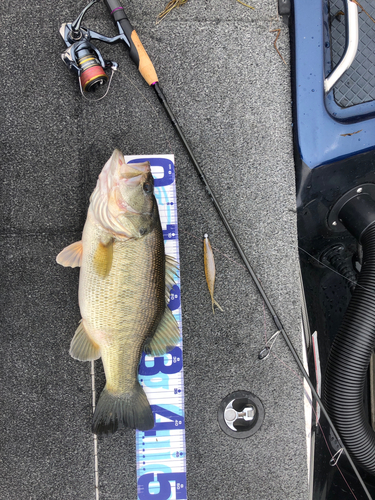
130	409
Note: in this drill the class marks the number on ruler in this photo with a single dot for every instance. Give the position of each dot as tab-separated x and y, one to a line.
171	233
166	166
174	302
165	488
174	420
159	365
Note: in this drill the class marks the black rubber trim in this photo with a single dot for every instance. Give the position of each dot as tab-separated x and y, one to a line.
349	360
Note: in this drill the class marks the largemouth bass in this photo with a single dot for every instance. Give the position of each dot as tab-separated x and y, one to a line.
124	286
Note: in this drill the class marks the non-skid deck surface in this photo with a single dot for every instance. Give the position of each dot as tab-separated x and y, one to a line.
231	94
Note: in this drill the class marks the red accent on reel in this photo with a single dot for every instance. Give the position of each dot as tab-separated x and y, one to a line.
92	76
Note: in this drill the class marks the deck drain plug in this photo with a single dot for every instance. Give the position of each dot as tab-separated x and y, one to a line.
240	414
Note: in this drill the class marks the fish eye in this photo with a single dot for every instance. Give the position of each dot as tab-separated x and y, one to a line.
147	187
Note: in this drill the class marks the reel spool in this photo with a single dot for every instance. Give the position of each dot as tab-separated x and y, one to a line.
92	75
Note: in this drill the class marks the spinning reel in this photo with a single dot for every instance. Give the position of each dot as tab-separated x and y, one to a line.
82	58
85	61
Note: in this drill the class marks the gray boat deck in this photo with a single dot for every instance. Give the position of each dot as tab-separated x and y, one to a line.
230	91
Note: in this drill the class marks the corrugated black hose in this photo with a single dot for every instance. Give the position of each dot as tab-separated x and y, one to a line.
349	360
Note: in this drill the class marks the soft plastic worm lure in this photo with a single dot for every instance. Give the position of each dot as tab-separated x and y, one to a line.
209	269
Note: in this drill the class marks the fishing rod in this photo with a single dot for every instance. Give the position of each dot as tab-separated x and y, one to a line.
85	60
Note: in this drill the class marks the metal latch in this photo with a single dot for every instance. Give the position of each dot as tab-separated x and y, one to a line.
240	414
231	415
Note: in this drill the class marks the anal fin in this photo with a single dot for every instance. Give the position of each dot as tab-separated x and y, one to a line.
82	347
167	335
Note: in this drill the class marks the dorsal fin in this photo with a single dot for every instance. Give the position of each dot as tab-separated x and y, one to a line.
171	270
167	335
171	264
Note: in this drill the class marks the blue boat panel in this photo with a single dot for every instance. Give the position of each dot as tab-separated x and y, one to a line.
324	132
334	153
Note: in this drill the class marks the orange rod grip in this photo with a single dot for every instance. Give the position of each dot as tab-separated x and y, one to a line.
146	68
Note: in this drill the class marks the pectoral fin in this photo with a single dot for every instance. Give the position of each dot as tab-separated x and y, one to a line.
82	347
71	256
166	336
103	258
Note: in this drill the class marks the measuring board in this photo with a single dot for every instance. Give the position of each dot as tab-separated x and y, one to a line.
161	453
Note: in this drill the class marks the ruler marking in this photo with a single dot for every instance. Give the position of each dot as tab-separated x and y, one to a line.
161	452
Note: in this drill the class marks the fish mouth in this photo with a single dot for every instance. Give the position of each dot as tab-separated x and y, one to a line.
112	204
116	171
134	174
125	170
130	174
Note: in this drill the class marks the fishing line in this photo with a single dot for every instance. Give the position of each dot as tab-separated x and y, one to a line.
114	68
331	269
287	340
334	457
96	467
154	110
273	338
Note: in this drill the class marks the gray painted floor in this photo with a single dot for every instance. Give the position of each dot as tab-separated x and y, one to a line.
230	91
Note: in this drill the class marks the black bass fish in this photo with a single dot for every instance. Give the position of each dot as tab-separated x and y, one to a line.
124	286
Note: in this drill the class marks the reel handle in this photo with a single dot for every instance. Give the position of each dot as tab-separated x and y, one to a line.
137	52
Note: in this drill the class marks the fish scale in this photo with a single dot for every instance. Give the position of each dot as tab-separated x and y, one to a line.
140	316
161	451
119	274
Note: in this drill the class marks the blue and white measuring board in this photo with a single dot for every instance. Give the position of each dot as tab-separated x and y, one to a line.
161	452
